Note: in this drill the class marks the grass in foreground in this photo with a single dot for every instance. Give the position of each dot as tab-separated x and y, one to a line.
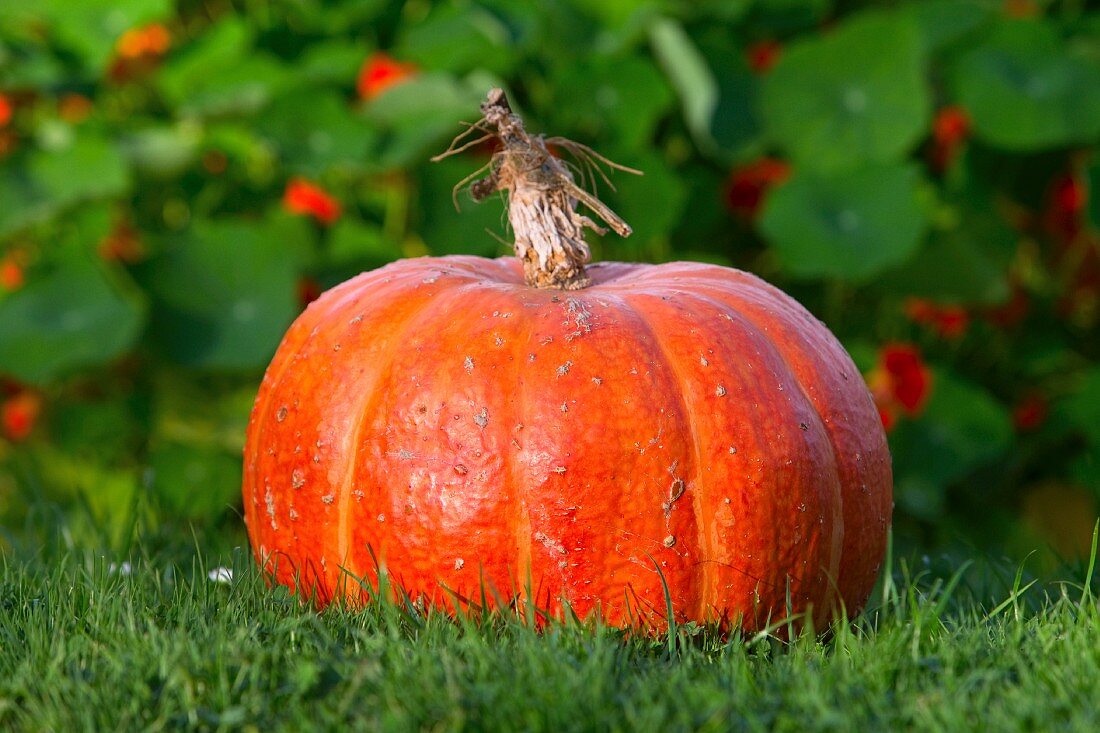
84	646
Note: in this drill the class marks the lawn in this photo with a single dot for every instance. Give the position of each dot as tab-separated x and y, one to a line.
176	640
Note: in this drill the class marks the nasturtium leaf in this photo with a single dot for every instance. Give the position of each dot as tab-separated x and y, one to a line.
331	134
88	168
222	74
458	39
1025	90
225	294
964	260
22	203
353	243
421	113
162	151
332	62
1082	407
478	228
943	22
853	96
625	98
194	480
849	225
242	89
220	47
79	316
690	76
961	428
650	203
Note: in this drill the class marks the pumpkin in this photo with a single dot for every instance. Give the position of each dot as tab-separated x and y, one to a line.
679	427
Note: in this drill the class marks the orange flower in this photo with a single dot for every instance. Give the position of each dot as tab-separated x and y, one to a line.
146	41
900	384
748	185
18	415
122	243
11	273
306	198
5	111
950	129
949	321
380	72
762	55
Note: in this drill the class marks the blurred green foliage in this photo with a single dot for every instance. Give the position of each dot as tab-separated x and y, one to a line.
177	179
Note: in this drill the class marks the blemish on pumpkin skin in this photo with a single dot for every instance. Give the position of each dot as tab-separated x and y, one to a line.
468	364
280	415
461	470
358	495
703	361
297	478
564	407
459	563
733	451
357	319
669	541
720	391
564	368
482	418
328	498
381	517
269	500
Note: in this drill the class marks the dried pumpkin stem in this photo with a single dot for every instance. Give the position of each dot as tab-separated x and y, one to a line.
542	196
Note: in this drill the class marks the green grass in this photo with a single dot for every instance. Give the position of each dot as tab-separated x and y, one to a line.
83	647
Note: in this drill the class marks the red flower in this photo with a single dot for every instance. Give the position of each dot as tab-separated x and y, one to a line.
762	55
949	321
950	129
748	185
11	273
900	384
380	72
911	379
1030	412
5	111
306	198
18	415
1067	198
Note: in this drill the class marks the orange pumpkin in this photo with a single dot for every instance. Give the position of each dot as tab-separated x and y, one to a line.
483	439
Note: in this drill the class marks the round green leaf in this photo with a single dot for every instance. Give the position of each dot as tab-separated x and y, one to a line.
848	225
225	295
329	135
77	317
1025	91
856	95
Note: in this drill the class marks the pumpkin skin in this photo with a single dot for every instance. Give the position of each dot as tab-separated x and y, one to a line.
441	419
